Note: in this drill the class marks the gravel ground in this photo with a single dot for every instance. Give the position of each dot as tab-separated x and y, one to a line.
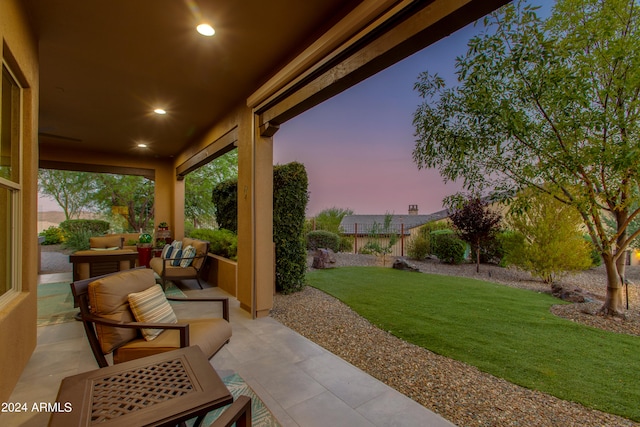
460	393
54	259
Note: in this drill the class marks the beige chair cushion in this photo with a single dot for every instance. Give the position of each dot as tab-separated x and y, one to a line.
109	298
104	242
208	334
151	306
201	248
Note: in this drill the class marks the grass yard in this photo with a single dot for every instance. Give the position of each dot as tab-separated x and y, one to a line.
507	332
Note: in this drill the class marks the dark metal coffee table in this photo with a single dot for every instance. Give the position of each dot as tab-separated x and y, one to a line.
161	390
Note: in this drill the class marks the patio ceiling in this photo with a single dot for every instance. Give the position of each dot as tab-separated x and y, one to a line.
106	64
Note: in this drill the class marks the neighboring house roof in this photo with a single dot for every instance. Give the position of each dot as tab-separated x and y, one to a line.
365	222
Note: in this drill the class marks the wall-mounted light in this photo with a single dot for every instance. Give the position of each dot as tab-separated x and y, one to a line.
142	145
206	29
160	111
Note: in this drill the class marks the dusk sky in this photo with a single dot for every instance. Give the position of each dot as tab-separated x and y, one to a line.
357	146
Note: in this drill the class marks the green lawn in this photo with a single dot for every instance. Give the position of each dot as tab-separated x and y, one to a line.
507	332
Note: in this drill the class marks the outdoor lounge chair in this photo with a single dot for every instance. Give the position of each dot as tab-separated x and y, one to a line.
111	327
178	266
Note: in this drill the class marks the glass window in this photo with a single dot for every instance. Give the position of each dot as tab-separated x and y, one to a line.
10	126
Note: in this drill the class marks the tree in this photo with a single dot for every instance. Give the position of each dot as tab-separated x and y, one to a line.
330	219
73	191
547	241
379	232
135	194
551	105
198	204
476	224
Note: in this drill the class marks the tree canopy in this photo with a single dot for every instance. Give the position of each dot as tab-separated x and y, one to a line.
551	105
73	191
198	204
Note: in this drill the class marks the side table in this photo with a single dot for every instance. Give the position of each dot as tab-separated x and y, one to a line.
161	390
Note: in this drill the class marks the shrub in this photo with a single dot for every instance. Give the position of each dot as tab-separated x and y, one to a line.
221	242
418	247
290	199
552	244
346	244
449	249
492	252
225	201
323	239
78	240
52	236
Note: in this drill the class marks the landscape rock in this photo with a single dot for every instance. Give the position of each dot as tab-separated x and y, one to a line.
402	264
323	258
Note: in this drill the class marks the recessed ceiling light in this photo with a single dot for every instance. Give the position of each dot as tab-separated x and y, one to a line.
159	111
142	145
206	29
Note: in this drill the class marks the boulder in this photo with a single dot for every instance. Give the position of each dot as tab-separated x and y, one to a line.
402	264
577	295
323	258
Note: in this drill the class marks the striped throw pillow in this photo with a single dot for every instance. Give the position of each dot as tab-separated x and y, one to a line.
175	257
151	305
187	256
166	251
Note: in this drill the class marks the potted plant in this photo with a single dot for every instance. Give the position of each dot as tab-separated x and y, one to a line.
158	247
163	226
144	249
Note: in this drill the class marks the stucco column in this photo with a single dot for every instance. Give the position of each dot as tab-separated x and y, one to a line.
164	197
255	218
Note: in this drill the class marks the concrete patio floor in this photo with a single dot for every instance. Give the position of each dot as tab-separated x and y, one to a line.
300	382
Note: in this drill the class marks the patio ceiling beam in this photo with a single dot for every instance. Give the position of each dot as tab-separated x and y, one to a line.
88	167
217	148
401	31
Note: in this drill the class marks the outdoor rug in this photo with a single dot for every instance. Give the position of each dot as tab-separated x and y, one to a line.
55	302
260	414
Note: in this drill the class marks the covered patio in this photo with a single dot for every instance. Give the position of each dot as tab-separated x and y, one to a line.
80	83
301	383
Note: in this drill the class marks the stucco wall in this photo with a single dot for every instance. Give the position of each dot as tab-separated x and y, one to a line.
18	316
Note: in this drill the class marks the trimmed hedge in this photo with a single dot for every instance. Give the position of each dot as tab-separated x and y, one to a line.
323	239
77	232
290	197
94	226
225	201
